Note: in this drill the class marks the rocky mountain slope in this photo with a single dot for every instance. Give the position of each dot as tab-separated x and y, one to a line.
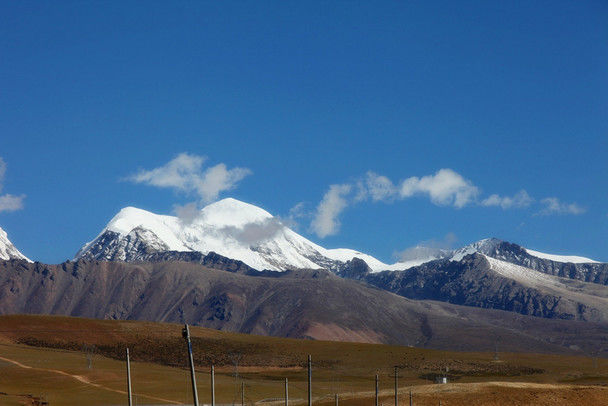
573	267
482	281
314	304
7	249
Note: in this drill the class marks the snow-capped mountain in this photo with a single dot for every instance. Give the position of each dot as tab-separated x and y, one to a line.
245	232
513	253
8	250
228	227
572	267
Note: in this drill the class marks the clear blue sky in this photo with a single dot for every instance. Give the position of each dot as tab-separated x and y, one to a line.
508	96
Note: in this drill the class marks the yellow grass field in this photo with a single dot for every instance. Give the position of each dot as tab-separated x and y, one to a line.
46	358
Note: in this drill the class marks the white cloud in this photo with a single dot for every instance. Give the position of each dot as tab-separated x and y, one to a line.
428	249
8	202
552	205
379	187
2	172
257	232
218	179
520	199
11	202
444	188
299	211
187	213
181	173
185	173
325	221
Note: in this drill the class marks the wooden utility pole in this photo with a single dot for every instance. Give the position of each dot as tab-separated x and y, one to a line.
376	403
129	379
286	392
212	386
186	335
396	396
309	381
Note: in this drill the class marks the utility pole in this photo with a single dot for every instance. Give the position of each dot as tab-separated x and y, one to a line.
309	381
212	386
376	403
129	378
396	397
242	393
186	335
411	399
286	392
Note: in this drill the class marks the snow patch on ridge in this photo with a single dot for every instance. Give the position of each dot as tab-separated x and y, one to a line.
588	293
561	258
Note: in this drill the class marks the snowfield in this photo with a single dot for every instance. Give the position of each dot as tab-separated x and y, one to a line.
561	258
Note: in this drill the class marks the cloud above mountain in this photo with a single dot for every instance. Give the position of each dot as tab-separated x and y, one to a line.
445	187
552	205
185	173
325	221
428	249
520	199
8	202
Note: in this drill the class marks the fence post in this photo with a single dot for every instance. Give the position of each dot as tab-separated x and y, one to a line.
212	385
336	399
186	335
242	393
396	397
376	402
286	392
309	381
411	399
129	378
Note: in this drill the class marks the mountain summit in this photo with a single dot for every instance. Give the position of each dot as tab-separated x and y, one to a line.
228	227
8	250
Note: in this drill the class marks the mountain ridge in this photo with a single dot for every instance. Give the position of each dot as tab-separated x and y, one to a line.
250	234
301	304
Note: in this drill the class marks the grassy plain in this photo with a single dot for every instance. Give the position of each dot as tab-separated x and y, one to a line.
48	357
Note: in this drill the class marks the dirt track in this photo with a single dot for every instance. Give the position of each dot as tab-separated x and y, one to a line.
83	380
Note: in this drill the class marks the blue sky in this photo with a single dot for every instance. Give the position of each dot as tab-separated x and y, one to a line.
505	97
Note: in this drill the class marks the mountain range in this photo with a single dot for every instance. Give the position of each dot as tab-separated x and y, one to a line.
250	234
236	267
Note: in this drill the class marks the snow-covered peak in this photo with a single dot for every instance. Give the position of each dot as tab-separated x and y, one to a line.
481	246
503	250
8	250
228	227
561	258
231	212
